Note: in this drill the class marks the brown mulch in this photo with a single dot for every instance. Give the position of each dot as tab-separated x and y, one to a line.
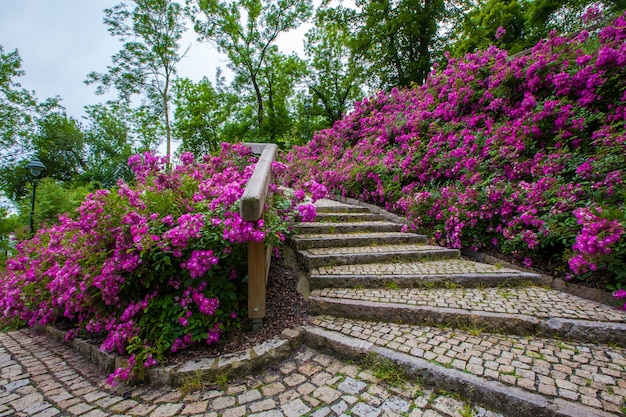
286	308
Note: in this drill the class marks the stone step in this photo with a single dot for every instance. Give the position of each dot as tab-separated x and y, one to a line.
347	217
316	257
517	375
521	310
320	240
330	206
347	227
449	272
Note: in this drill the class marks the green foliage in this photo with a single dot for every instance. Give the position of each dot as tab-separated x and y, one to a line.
146	64
480	25
337	72
111	138
246	31
524	22
16	108
396	39
200	117
53	199
8	223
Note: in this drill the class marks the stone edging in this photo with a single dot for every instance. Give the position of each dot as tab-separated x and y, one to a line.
234	364
491	394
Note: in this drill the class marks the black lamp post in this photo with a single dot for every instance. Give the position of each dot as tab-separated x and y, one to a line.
307	109
36	168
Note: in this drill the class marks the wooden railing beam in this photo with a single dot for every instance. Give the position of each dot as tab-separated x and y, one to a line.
252	209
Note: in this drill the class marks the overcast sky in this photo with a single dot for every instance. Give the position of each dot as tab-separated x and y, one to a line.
61	41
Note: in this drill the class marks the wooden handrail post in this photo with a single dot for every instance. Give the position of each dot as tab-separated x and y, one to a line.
252	209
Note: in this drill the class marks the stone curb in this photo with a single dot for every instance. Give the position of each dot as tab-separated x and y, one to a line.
330	240
518	324
513	401
416	281
330	217
311	261
235	364
347	227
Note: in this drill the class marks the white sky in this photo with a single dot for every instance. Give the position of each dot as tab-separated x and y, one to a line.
61	41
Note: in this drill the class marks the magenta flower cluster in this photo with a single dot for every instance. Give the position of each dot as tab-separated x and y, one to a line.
497	152
154	266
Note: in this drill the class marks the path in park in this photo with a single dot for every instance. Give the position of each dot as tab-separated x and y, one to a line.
42	377
468	335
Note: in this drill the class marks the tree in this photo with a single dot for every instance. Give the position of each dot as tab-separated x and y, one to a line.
337	73
396	38
200	117
110	141
147	62
17	106
278	81
245	30
59	143
563	16
517	25
8	223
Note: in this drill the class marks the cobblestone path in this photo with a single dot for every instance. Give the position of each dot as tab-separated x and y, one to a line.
495	334
42	377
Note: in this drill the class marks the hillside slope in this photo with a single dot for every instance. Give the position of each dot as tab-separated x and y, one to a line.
521	155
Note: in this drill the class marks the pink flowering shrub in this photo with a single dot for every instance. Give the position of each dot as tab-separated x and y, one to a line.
153	267
524	155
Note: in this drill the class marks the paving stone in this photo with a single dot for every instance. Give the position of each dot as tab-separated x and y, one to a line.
16	384
295	408
96	413
272	389
365	410
48	412
271	413
295	379
447	405
23	403
36	408
351	386
221	403
396	404
340	407
123	406
235	412
326	394
248	396
81	408
264	405
322	412
141	409
166	410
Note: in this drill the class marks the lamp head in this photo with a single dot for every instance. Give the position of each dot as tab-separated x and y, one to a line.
36	167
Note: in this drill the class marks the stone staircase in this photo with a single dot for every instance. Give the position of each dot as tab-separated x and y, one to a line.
494	335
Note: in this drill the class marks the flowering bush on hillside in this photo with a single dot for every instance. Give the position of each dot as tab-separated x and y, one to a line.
524	154
153	267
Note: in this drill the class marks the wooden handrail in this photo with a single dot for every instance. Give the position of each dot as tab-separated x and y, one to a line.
252	209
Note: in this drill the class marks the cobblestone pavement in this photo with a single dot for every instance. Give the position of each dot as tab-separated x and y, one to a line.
592	374
41	377
532	301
